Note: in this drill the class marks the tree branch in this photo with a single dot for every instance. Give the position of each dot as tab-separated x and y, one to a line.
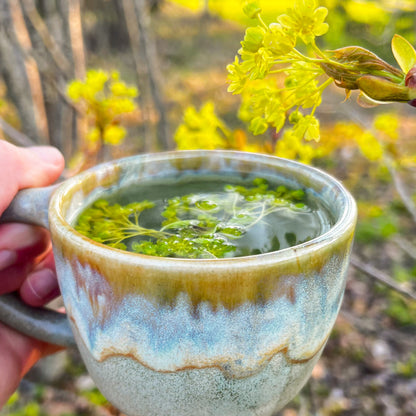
16	137
401	190
49	42
406	246
381	277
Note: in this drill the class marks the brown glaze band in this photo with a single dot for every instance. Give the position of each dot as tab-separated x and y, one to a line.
228	287
222	366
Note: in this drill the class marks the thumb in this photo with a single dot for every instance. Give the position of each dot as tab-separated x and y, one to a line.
25	168
48	165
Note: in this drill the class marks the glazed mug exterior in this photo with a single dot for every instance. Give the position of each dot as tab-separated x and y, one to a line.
171	336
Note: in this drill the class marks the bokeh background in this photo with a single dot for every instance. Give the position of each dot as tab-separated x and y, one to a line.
158	68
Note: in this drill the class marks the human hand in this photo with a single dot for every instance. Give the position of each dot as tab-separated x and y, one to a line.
26	260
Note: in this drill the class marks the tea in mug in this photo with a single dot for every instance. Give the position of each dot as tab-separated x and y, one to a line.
204	218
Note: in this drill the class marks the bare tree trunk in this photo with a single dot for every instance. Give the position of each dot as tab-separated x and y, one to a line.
51	45
134	36
31	69
149	51
75	33
13	69
78	55
56	35
205	8
47	34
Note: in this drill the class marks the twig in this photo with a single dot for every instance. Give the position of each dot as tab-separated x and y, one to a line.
401	190
381	277
16	137
406	246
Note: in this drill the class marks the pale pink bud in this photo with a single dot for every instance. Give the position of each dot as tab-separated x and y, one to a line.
410	81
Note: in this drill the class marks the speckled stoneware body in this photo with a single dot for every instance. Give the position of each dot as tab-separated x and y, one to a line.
164	336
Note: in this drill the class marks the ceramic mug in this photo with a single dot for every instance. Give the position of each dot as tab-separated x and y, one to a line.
170	336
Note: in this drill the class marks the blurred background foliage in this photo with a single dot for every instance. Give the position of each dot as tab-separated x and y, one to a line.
102	79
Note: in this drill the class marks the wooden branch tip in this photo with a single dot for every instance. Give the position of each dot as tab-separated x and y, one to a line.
382	278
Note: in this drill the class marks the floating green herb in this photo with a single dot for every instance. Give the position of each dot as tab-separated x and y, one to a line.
199	225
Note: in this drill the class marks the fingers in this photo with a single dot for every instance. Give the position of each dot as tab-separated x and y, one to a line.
26	167
18	353
22	251
41	285
13	277
25	241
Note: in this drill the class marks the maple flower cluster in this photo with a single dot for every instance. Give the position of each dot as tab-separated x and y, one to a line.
104	98
281	86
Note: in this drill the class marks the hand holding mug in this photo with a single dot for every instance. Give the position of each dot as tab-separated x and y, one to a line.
170	336
26	260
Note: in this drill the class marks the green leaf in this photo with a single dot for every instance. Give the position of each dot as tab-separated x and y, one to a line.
404	53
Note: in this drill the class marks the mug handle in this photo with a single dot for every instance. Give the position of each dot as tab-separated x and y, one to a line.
30	206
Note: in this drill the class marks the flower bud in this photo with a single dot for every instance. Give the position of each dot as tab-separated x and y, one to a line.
380	89
410	80
351	63
251	9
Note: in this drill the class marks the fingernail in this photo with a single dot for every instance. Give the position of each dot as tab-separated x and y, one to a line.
49	155
43	284
7	258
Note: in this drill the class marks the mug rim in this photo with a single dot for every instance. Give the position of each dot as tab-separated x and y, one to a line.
343	225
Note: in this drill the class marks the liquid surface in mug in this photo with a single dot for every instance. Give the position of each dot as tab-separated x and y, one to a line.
205	217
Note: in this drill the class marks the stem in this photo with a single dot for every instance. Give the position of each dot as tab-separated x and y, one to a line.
305	58
138	230
235	204
317	50
259	218
325	84
262	21
278	71
319	61
321	88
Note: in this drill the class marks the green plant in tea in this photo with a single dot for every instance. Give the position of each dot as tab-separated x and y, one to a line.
197	225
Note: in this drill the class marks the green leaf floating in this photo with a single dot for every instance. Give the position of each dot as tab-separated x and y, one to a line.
193	225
